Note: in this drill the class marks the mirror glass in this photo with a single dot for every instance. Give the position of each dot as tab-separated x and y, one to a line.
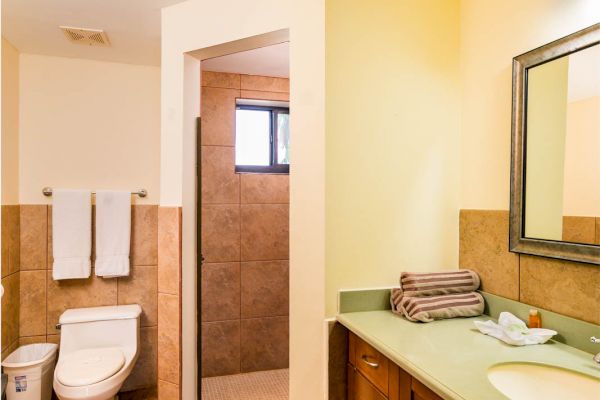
562	173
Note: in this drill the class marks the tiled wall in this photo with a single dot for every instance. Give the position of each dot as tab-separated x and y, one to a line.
10	278
169	303
245	277
565	287
42	300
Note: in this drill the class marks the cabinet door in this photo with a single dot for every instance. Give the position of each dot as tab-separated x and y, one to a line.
422	392
362	389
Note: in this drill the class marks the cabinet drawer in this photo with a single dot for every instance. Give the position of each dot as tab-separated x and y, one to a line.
373	365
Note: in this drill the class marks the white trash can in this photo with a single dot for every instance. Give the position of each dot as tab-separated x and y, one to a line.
30	371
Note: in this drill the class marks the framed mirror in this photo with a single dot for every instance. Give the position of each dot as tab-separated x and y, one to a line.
555	160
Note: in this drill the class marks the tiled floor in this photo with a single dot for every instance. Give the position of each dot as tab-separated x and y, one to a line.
265	385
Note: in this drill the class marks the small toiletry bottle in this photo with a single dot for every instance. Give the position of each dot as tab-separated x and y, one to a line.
535	321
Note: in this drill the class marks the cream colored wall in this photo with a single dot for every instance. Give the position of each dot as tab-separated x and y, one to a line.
198	24
547	87
392	141
10	123
582	158
492	33
88	124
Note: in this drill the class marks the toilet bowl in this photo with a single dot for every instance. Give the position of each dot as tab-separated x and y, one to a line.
98	349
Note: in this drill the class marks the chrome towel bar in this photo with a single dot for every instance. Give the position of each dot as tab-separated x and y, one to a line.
142	192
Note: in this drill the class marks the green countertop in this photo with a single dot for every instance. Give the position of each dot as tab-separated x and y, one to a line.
451	356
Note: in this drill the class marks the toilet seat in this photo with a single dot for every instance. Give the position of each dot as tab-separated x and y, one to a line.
89	366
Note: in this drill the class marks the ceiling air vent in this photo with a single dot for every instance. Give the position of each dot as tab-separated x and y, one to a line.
89	37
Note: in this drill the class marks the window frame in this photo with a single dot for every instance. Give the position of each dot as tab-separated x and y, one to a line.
273	167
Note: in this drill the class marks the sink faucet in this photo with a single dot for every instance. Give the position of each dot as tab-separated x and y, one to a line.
594	339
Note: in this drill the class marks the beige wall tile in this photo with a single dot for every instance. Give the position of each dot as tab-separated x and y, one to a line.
25	340
220	80
10	310
169	249
220	183
265	289
220	291
168	391
264	344
483	248
33	303
34	234
169	351
54	338
565	287
265	83
579	229
145	371
220	233
265	232
265	188
218	116
4	247
140	287
10	239
220	348
253	94
77	293
9	348
144	235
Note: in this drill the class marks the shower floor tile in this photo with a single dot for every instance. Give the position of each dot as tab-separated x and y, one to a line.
264	385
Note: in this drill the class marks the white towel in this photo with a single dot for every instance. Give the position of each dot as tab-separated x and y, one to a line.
113	233
71	233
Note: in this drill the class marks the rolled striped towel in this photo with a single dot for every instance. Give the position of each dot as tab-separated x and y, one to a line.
414	284
430	308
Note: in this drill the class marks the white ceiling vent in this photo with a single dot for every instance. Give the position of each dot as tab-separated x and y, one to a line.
89	37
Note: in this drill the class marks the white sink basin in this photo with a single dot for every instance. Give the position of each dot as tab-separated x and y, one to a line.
525	381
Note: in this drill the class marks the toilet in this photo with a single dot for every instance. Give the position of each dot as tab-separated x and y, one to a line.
98	349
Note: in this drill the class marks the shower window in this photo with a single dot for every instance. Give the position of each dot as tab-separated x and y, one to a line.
262	138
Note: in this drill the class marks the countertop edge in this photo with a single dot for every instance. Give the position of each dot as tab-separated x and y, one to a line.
435	385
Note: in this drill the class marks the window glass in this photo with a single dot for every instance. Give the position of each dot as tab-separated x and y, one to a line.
283	138
253	137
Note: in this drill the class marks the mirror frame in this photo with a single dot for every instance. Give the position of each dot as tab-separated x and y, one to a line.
518	243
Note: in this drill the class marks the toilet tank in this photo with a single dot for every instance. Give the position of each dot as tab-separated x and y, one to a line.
111	326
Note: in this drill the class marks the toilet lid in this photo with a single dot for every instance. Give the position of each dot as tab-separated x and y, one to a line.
89	366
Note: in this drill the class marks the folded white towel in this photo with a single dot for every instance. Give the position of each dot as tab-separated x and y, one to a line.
71	233
512	330
113	233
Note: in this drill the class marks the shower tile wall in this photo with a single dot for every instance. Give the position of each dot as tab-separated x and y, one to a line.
245	276
34	301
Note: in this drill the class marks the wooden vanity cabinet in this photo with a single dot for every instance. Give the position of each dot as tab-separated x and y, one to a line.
371	376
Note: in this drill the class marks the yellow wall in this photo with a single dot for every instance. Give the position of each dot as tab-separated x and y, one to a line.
582	158
198	24
547	87
88	124
492	33
10	123
392	145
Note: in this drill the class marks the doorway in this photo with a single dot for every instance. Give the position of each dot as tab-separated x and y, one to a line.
243	209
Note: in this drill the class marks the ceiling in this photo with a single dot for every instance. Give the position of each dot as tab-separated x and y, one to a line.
267	61
132	26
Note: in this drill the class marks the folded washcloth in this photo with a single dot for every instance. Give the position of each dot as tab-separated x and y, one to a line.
427	309
71	234
512	330
113	232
